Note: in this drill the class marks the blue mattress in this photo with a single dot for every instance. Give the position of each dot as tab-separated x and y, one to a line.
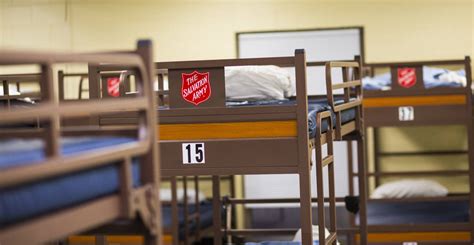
417	212
314	107
21	202
206	219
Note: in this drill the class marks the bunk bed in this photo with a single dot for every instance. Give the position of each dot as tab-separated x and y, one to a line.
72	180
415	94
260	137
195	216
341	132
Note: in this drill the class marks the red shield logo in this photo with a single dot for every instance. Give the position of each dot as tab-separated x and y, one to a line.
406	77
196	87
113	86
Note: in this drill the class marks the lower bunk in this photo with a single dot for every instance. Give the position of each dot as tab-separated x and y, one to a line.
124	234
35	199
428	220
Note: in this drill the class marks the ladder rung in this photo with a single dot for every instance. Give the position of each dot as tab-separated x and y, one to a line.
327	160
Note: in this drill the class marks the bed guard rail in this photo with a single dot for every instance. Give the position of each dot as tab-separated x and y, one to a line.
416	71
51	111
352	87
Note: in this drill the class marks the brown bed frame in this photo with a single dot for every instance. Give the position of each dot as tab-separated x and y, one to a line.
436	106
246	128
129	203
260	151
125	85
341	132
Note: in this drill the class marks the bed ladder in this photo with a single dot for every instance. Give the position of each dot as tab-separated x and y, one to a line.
325	138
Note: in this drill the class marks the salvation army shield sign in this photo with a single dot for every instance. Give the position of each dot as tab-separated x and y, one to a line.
406	77
196	87
113	86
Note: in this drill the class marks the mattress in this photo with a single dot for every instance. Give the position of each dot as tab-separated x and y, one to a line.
422	212
33	199
314	107
205	210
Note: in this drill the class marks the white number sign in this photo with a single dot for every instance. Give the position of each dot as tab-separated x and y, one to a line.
406	113
193	153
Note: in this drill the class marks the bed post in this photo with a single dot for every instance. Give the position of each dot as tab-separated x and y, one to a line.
362	172
470	142
185	209
216	210
304	155
151	172
94	88
48	94
174	211
61	85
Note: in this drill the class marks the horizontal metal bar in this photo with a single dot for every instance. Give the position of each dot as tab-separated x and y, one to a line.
20	96
225	62
323	63
234	201
422	153
85	108
63	165
348	84
75	74
328	160
244	110
419	227
325	114
417	173
334	64
201	178
416	63
421	199
27	57
244	232
20	77
347	105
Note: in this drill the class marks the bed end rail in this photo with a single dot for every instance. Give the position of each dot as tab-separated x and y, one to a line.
417	72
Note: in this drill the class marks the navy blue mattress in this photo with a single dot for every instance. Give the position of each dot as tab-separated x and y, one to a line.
34	199
205	210
314	107
417	212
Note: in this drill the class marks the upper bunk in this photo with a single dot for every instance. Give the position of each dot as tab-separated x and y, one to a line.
247	135
72	180
418	93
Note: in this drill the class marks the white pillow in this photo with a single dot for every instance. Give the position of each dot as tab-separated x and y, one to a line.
410	188
165	195
257	83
